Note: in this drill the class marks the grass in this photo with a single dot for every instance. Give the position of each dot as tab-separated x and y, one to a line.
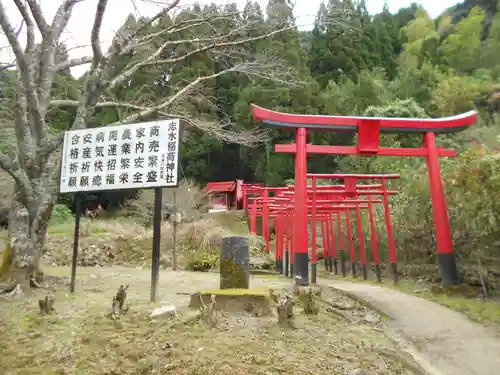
81	339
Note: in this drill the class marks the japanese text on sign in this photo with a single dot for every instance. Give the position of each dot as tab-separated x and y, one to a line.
134	156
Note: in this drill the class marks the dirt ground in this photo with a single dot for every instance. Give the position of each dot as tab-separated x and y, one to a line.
81	339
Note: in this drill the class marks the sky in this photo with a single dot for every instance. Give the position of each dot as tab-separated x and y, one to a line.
77	35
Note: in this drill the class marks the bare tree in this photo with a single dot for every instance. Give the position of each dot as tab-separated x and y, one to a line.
32	159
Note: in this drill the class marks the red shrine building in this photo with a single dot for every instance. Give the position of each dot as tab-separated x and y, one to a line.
224	195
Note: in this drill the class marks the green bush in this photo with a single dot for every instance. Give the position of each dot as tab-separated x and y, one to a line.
203	262
61	214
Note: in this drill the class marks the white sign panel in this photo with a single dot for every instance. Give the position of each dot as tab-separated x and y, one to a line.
134	156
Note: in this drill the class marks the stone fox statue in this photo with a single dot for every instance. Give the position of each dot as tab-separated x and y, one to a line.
94	213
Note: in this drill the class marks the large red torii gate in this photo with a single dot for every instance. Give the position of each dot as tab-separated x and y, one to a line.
368	130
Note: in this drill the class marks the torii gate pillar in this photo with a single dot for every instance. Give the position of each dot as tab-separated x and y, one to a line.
444	237
301	240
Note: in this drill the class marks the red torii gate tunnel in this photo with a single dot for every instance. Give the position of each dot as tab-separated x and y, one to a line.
368	130
331	200
354	191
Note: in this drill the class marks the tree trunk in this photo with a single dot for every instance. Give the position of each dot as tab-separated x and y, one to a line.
27	233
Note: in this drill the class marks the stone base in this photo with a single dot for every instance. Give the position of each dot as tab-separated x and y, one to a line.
448	268
254	301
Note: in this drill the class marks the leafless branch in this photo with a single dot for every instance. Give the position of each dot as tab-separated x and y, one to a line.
211	44
29	52
220	128
18	32
75	103
11	36
94	82
186	24
136	48
50	41
19	176
162	13
223	129
30	44
24	82
96	29
74	62
36	11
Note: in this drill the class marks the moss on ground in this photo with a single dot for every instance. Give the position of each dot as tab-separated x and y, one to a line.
255	301
237	292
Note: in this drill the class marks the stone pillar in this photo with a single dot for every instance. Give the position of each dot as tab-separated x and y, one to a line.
235	263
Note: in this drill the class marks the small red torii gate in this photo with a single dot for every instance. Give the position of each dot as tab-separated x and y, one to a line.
368	130
344	198
249	190
329	210
353	190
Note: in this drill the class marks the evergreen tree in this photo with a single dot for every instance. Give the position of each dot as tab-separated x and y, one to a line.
420	40
388	40
490	52
342	43
286	48
462	49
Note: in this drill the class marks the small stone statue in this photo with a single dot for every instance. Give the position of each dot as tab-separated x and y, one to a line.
284	308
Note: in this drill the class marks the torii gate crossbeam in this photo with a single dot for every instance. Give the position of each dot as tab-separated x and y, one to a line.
368	130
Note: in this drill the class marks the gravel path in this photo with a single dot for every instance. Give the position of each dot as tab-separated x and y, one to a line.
443	341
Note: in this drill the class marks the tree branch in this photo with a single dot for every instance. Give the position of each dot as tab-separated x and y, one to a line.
11	36
112	104
8	166
106	70
36	11
94	83
46	68
213	44
19	176
96	30
212	127
30	57
154	109
27	106
30	28
161	13
74	62
185	25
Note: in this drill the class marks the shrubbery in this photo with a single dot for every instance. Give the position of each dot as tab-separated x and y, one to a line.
61	214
